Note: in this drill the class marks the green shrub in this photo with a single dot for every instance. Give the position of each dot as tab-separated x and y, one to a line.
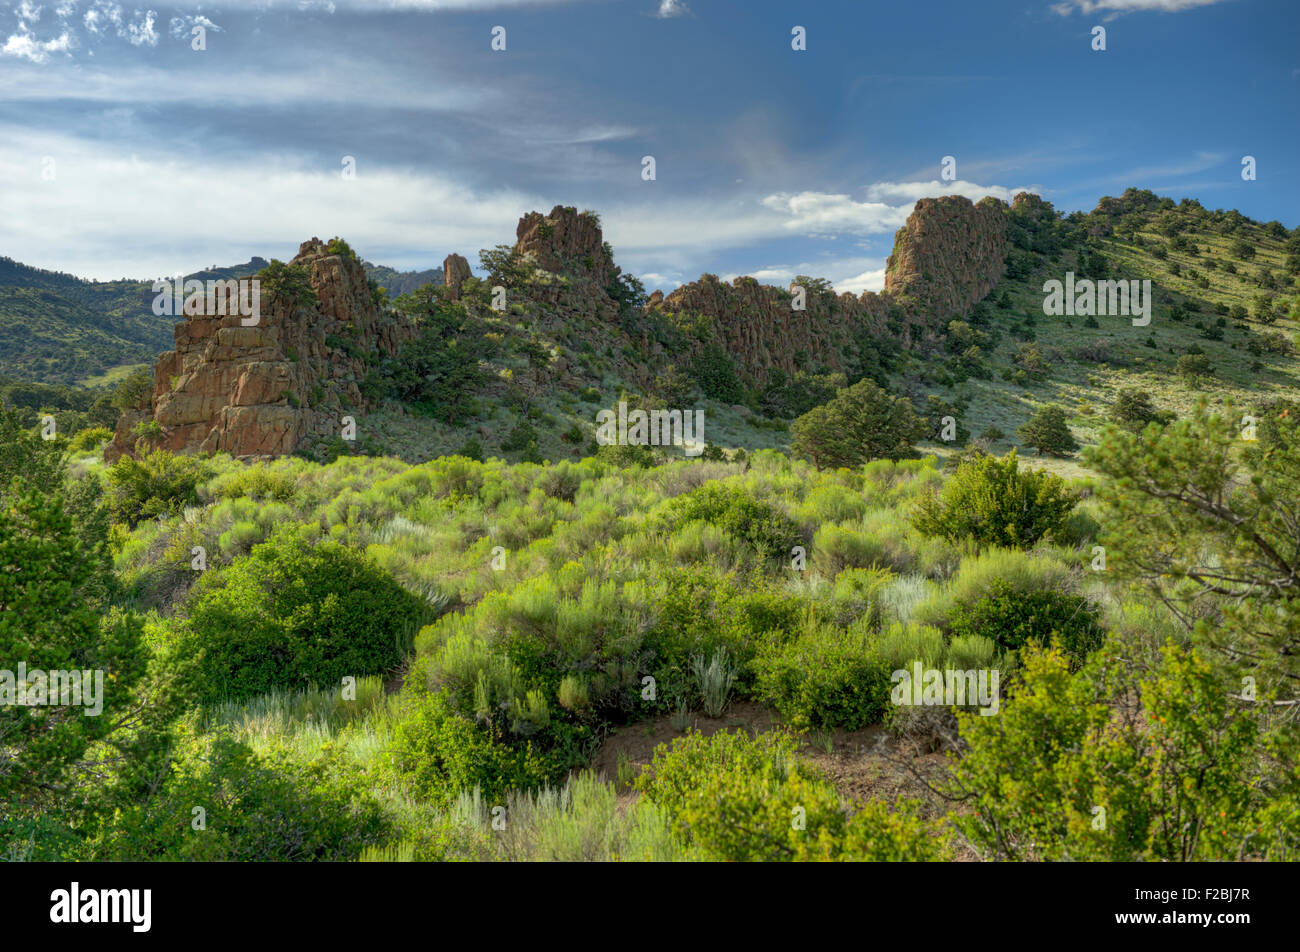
436	753
239	539
836	548
826	678
903	643
1194	369
715	373
1133	410
472	448
742	799
256	481
293	614
159	484
971	653
765	528
832	502
862	423
1022	571
1177	772
91	438
700	613
1047	431
994	502
267	808
1014	619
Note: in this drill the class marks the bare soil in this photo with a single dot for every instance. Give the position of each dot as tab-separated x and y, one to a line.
862	764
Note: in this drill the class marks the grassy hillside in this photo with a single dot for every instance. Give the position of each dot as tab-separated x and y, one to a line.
1224	287
59	329
1211	274
55	328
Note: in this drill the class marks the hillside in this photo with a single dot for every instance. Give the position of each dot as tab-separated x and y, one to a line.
959	329
59	329
55	328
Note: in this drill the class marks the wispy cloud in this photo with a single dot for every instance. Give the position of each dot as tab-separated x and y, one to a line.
896	192
290	83
825	215
1066	7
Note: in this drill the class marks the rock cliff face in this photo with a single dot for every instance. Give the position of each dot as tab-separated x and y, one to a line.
758	326
455	269
566	242
948	255
946	258
282	385
268	389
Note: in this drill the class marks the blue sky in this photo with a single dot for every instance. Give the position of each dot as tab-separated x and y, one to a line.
769	161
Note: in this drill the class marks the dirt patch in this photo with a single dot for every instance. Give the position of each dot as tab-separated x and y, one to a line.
862	764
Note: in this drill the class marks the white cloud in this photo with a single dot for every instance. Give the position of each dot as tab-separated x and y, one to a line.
183	27
29	12
672	8
288	83
887	205
110	213
873	279
828	215
846	275
103	14
113	214
141	30
368	6
899	192
823	214
25	46
1086	7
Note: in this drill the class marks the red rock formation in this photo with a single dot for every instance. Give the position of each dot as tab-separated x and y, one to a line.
266	390
946	257
565	242
455	269
272	388
758	325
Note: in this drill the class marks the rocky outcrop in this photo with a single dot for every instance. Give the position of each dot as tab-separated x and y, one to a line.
566	242
759	326
270	388
287	381
455	269
947	256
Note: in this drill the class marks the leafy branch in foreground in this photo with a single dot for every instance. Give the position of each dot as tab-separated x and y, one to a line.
1211	523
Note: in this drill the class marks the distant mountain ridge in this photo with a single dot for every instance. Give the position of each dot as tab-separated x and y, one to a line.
59	328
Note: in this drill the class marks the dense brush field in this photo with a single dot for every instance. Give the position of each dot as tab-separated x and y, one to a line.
372	660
